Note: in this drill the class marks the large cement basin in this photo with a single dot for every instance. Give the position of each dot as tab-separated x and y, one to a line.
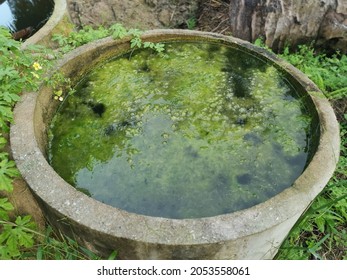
253	233
58	23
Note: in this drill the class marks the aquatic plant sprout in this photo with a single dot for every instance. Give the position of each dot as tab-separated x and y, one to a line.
204	130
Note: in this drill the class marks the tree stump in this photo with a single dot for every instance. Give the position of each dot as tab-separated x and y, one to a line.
291	22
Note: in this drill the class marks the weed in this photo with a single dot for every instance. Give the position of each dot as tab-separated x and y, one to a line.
117	31
191	23
56	246
322	232
20	70
328	72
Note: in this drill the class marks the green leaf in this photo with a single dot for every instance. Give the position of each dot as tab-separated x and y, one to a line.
8	72
3	141
4	253
12	244
3	215
5	183
135	32
5	112
5	204
148	45
159	47
118	31
320	222
26	239
39	253
5	233
8	171
10	97
16	236
25	221
339	93
113	255
135	42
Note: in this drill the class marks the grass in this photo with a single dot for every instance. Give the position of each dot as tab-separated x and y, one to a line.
320	234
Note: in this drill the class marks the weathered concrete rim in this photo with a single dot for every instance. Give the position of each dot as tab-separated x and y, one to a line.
58	14
28	152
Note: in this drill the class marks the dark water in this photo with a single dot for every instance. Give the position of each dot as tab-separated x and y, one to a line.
205	130
20	14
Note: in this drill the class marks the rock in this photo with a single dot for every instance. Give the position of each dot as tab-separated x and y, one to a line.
142	14
333	32
290	22
103	13
23	33
151	3
164	17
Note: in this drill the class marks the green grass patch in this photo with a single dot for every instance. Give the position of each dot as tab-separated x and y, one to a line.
322	232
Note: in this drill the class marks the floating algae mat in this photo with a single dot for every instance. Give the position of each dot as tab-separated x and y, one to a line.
203	130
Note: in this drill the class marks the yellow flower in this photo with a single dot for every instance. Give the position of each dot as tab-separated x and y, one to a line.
37	66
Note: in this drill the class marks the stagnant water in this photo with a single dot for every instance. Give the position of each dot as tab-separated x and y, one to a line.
21	14
203	131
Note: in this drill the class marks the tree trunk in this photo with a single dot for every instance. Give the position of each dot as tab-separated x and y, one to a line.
291	22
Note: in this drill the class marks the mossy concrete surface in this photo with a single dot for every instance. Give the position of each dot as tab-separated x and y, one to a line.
58	23
254	233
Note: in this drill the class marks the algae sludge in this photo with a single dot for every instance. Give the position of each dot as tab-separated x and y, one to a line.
203	131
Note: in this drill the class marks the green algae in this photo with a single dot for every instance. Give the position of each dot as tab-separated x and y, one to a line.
203	131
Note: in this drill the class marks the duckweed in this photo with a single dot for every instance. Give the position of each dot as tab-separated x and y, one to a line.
204	130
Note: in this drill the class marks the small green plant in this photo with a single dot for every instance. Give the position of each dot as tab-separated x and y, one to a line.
78	38
16	235
20	70
60	85
191	23
117	31
8	170
322	231
328	72
55	246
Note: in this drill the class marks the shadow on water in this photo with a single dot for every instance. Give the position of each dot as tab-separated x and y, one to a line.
25	16
239	69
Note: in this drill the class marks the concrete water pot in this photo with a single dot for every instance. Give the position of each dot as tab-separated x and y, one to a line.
253	233
58	23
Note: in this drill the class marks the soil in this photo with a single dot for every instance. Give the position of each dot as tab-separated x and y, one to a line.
211	15
142	14
24	203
